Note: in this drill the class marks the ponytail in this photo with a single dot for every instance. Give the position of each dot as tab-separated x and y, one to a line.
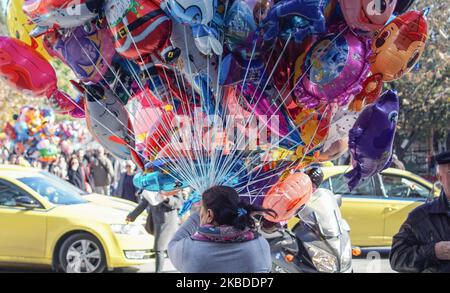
229	210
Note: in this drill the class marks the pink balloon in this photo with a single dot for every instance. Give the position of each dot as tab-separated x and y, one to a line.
332	70
367	15
61	102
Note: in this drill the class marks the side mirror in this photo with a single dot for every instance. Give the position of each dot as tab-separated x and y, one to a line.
27	202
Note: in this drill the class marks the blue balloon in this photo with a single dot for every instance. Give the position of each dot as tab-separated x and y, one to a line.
301	19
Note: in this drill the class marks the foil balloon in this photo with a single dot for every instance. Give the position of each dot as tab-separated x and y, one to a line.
334	151
19	28
287	196
399	45
88	54
245	49
372	137
108	121
313	126
402	6
25	69
157	181
139	28
265	109
341	123
198	14
61	102
309	13
160	134
195	66
367	15
332	70
50	14
48	154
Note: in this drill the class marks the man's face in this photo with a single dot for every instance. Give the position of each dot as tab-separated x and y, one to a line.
444	178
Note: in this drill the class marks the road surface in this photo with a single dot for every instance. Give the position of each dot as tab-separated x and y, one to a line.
368	263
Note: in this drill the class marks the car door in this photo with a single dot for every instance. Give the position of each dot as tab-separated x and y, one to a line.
403	195
23	230
363	209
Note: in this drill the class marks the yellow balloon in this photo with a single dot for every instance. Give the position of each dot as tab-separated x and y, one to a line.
19	28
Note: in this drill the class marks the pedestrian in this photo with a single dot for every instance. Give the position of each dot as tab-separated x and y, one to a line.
162	220
423	242
102	172
77	175
222	238
59	167
125	188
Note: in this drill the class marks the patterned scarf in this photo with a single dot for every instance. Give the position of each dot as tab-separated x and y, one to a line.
223	234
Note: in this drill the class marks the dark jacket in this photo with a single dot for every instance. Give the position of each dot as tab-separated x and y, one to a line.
128	193
413	246
102	171
76	178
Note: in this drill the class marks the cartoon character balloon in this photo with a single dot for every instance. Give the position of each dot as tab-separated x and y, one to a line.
332	70
197	14
367	15
49	14
19	28
311	12
108	121
139	28
399	45
88	54
372	137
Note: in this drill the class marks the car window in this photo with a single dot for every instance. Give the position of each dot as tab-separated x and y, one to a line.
401	187
9	192
56	191
364	188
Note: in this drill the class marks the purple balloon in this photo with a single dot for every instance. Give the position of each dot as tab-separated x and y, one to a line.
88	54
333	70
372	137
258	102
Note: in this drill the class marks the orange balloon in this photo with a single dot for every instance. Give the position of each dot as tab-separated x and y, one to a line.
399	45
287	196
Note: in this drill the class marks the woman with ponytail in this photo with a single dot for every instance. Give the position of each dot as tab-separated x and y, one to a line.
222	237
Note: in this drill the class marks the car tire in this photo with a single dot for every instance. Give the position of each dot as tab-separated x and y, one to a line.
82	253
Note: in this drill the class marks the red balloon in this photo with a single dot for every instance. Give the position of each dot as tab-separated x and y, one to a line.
25	69
139	27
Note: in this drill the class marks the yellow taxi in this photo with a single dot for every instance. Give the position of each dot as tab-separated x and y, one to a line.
46	221
379	205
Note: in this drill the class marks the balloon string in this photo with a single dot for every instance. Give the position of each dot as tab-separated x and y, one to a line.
173	167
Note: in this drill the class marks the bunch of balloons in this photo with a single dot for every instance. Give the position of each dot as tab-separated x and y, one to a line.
34	134
246	93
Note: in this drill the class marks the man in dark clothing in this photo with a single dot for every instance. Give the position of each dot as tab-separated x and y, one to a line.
126	188
102	172
423	242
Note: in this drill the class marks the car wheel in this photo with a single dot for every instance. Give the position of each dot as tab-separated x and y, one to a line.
82	253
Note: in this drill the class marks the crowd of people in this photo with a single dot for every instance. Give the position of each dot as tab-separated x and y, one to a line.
91	170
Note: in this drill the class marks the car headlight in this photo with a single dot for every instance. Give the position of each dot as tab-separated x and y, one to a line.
127	229
322	260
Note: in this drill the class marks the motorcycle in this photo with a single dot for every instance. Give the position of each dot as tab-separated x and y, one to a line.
319	243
